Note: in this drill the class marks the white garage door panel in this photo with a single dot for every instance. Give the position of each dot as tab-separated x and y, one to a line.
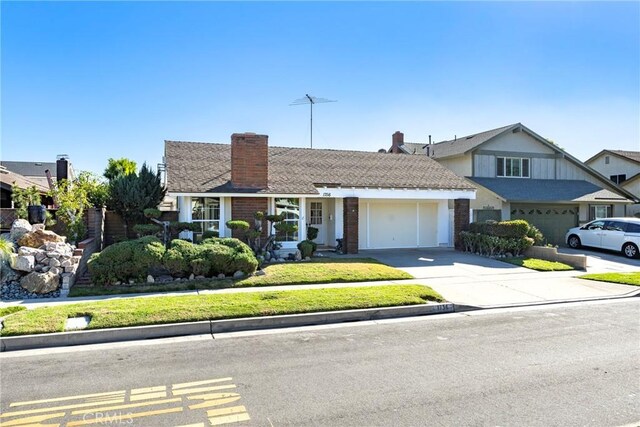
392	225
428	225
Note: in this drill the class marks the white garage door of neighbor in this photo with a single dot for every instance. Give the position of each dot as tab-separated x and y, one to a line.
396	225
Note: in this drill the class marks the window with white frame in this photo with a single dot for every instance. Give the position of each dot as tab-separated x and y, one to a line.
205	211
599	211
315	213
289	208
512	167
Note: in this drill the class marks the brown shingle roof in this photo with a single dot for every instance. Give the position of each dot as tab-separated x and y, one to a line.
461	145
196	167
631	155
10	179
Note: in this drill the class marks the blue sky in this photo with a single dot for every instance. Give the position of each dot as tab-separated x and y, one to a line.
115	79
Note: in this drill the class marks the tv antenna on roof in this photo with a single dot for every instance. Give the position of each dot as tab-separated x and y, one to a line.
311	100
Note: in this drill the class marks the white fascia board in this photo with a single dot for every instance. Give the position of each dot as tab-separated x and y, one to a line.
397	193
268	196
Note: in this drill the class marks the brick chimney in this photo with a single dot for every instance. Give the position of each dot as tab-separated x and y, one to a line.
249	160
397	139
62	168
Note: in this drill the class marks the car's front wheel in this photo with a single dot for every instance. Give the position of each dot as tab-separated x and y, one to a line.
574	242
630	250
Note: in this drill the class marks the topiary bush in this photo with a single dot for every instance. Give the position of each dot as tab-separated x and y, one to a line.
307	248
146	229
201	266
175	263
127	260
237	224
209	234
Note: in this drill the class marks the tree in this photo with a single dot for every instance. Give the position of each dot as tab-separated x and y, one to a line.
97	189
71	199
120	167
131	194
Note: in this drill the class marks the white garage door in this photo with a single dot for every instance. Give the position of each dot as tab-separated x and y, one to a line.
397	224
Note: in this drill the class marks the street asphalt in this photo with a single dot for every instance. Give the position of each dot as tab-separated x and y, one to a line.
561	365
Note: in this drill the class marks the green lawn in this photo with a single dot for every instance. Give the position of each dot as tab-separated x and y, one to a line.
189	308
5	311
622	278
325	270
538	264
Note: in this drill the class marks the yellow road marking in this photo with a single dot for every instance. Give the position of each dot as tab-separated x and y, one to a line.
126	406
201	389
31	420
148	389
126	417
212	396
226	411
59	408
196	383
193	425
235	418
114	394
136	397
210	403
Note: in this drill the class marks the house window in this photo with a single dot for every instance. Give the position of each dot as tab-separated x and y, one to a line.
618	179
512	167
606	160
205	211
482	215
290	209
599	211
315	213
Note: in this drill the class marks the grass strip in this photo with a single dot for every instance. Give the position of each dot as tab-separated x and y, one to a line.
622	278
5	311
191	308
319	270
538	264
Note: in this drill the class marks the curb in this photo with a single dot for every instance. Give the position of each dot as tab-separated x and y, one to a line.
62	339
459	308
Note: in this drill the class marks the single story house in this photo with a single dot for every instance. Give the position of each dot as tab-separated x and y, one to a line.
370	200
521	175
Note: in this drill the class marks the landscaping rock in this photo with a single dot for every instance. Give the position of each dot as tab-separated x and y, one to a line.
267	256
131	281
37	227
19	228
38	268
40	283
150	279
41	257
55	270
238	275
221	276
45	268
307	258
164	278
53	262
66	263
13	291
25	263
298	255
260	273
192	276
37	238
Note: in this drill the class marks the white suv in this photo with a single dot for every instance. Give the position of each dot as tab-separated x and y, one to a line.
616	234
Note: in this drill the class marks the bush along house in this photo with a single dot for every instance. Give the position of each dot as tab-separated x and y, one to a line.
368	200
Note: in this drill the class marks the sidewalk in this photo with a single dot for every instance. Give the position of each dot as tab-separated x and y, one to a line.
483	291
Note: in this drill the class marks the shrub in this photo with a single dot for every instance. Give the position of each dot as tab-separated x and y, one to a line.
175	263
307	248
146	229
209	234
238	224
535	234
245	262
127	260
152	213
220	258
230	255
201	266
513	228
177	227
312	233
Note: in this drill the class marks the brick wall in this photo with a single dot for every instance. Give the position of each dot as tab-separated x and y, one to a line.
243	208
114	230
460	220
249	160
350	224
397	139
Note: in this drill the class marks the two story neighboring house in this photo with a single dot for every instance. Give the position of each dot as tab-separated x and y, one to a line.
623	168
521	175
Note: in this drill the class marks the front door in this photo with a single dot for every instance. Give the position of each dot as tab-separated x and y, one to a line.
317	220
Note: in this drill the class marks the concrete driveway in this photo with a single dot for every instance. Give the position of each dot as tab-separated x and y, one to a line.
467	279
601	261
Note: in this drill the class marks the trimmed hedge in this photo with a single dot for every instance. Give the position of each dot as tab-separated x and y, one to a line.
500	238
135	259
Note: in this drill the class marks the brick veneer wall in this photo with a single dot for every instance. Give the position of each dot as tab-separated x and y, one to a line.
249	160
350	224
460	220
243	208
